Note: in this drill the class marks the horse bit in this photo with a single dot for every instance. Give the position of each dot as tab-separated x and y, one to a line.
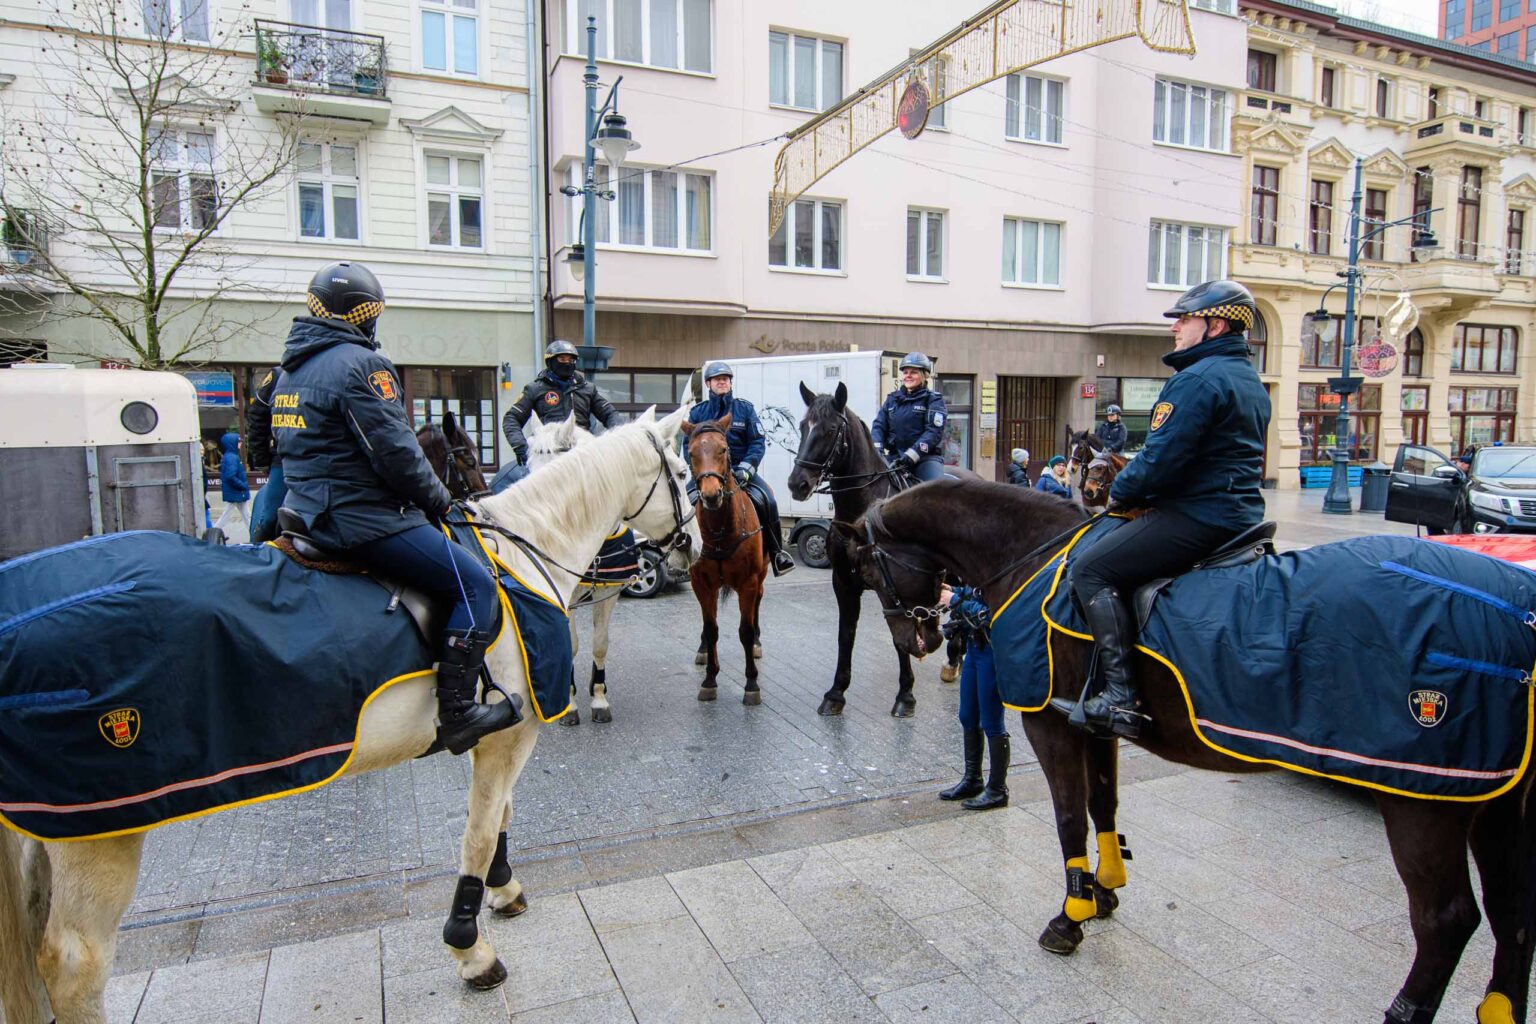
919	614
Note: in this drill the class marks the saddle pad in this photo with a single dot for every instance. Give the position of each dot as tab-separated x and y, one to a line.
147	677
618	561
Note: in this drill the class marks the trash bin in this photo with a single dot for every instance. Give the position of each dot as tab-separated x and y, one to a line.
1374	481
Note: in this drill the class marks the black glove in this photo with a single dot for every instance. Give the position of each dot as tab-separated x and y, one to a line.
743	474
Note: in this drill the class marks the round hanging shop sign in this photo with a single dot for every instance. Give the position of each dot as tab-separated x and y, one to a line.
912	109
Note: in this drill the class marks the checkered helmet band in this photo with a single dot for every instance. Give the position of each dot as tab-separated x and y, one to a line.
1235	313
356	317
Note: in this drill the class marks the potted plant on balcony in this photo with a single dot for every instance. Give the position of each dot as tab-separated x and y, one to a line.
366	78
273	61
20	237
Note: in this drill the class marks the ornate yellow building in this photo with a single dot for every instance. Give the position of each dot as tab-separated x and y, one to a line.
1439	127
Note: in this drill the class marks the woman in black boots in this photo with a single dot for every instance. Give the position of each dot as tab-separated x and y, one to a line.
981	709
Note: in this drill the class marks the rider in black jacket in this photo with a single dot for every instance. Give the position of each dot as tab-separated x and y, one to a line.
556	393
261	453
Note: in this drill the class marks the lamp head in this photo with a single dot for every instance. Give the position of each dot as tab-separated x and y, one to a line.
576	260
614	139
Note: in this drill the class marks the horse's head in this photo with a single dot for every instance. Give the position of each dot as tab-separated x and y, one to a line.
903	575
709	456
451	452
548	441
1094	468
823	439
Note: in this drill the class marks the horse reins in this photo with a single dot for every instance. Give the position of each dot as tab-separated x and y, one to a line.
841	447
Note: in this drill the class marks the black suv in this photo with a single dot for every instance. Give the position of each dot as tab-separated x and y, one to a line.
1498	495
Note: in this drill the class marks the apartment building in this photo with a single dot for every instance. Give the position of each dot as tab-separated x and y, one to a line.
416	150
1029	239
1503	27
1440	128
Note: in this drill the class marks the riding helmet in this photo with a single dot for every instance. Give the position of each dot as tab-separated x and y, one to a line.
717	368
559	347
1226	299
916	361
1113	409
348	292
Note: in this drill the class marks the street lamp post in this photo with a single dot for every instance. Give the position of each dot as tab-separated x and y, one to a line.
1337	500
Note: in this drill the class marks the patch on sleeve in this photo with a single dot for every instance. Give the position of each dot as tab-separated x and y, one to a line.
1160	413
266	380
938	419
383	384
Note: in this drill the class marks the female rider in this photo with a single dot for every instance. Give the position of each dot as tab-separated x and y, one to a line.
909	428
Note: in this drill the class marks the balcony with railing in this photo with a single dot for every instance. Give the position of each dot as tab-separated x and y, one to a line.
324	71
23	242
1462	131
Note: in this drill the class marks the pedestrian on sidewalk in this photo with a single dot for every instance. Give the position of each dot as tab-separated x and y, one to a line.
981	707
232	482
1054	479
1018	467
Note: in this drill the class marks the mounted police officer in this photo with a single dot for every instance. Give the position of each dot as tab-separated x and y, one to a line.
555	394
909	428
1111	433
748	446
358	479
1198	479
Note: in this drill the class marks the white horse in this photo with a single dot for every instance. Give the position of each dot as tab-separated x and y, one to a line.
61	902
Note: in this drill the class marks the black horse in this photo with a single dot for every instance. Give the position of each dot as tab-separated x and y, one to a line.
836	452
988	532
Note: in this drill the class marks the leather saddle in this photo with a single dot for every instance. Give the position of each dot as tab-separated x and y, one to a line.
428	613
1249	546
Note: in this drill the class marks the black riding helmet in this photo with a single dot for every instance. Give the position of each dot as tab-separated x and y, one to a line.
558	347
348	292
1226	299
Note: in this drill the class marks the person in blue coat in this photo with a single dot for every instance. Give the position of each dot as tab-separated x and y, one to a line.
748	445
357	478
1111	433
981	706
1054	480
909	428
1197	479
233	485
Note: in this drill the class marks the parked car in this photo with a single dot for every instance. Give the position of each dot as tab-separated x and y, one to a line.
1498	494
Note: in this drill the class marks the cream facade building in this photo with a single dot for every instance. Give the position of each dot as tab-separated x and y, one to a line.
1440	127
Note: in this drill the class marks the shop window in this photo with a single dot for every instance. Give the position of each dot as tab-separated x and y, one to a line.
466	391
1415	405
959	401
1318	410
1484	348
1481	416
634	391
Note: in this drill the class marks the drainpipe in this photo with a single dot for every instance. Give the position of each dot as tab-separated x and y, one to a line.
534	33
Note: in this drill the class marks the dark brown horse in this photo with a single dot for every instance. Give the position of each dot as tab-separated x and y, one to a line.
974	530
452	454
1094	467
733	557
837	454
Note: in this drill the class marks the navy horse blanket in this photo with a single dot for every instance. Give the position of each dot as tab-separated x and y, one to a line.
148	677
1389	662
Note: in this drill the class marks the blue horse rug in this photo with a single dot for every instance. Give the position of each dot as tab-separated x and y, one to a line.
148	677
1388	662
618	561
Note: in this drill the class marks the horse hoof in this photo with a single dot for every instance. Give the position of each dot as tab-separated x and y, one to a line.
571	718
706	693
490	979
757	651
700	658
1104	900
1062	936
904	709
948	674
516	908
752	698
602	715
830	708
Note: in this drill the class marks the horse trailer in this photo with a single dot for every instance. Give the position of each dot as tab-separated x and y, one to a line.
85	452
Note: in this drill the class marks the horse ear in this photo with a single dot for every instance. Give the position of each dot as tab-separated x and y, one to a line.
840	396
687	429
649	416
724	422
807	394
669	425
565	430
450	425
534	425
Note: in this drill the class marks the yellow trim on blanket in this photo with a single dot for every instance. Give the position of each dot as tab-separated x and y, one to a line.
1055	583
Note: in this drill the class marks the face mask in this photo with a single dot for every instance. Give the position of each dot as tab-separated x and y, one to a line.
564	371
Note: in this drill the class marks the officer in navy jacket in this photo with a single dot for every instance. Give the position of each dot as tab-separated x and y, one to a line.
748	446
1111	433
1198	479
909	428
358	479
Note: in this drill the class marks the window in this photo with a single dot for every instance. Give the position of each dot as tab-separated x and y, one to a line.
1321	343
1423	197
1480	108
1484	348
959	401
1031	252
1523	121
1509	10
1320	219
450	36
1185	114
937	80
1265	205
817	226
1034	109
1136	396
185	192
467	392
1383	97
660	33
1509	45
634	391
1183	255
1375	215
1261	70
667	210
455	201
328	190
925	244
1514	242
184	20
1258	343
1481	416
1415	405
1530	39
1318	418
1482	14
1413	354
1433	103
803	71
1455	18
1219	6
1325	87
1469	208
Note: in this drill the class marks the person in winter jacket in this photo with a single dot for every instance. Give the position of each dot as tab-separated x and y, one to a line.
981	707
1111	433
261	452
1054	480
232	482
558	392
909	428
1018	467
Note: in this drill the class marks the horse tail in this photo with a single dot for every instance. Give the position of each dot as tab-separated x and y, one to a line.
22	995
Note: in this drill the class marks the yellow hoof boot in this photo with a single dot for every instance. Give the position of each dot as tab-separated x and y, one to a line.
1495	1009
1079	905
1111	873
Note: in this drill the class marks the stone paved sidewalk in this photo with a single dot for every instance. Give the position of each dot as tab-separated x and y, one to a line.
1251	899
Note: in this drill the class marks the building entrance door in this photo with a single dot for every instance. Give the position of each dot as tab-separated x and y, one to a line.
1027	418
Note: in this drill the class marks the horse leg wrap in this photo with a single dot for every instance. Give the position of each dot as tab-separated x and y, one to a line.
1079	905
1495	1009
501	871
1405	1011
461	931
1113	853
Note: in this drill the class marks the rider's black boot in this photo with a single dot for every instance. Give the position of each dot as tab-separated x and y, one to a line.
773	535
1116	709
999	753
970	783
461	720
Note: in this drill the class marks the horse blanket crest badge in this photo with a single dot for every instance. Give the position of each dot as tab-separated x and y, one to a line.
120	728
1428	707
1160	413
383	384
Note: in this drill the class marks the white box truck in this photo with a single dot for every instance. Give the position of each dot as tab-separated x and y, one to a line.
772	384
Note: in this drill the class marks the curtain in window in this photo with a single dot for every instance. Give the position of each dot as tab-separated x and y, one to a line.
626	30
664	33
805	72
831	236
805	234
698	211
632	209
596	9
1011	111
664	209
831	73
312	211
696	35
778	68
344	210
466	48
914	240
1010	249
1050	264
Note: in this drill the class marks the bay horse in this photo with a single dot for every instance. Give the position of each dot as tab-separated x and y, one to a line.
1095	468
837	454
733	557
971	529
61	902
451	453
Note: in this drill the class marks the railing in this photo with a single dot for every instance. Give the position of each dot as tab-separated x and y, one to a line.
24	237
329	59
1453	127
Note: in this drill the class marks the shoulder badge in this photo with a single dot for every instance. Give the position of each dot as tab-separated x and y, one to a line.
1160	413
1428	707
383	384
551	398
938	419
120	728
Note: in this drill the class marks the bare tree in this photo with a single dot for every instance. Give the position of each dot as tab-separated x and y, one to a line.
119	175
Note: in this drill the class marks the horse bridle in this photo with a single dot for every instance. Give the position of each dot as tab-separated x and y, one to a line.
841	447
452	471
727	481
678	538
882	558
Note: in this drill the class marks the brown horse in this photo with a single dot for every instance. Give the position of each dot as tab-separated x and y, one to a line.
971	529
1094	467
451	452
733	557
